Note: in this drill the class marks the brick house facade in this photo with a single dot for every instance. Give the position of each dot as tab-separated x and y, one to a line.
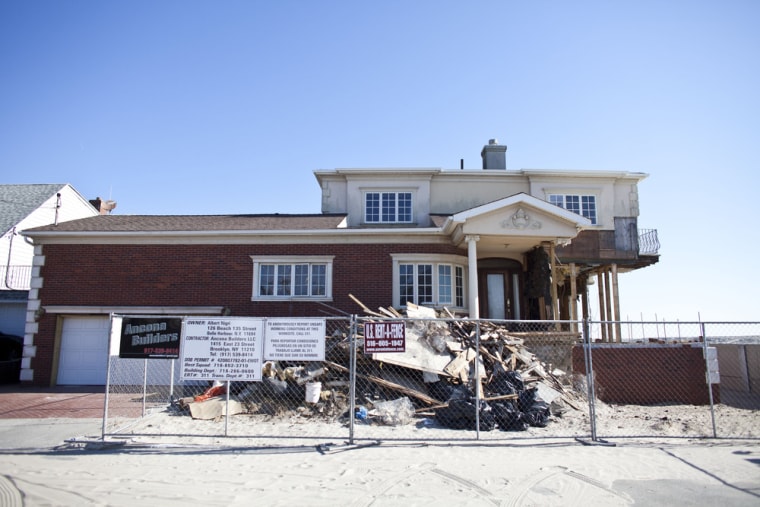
466	240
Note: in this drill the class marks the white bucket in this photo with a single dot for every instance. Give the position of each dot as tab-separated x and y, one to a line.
313	390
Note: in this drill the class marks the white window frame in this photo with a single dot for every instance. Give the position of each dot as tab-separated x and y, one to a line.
436	260
560	199
292	260
381	194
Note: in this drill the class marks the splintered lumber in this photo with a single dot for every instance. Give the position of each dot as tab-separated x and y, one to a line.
390	385
365	308
420	312
460	362
525	357
492	357
388	313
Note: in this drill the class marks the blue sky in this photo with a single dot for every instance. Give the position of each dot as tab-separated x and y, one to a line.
187	107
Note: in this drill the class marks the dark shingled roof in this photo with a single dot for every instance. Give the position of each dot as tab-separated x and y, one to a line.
188	223
18	201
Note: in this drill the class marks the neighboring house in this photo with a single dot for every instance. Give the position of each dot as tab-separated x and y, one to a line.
23	207
491	243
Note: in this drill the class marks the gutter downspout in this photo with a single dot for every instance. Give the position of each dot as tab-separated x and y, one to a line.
8	263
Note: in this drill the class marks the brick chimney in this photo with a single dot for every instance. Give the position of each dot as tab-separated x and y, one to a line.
104	207
494	155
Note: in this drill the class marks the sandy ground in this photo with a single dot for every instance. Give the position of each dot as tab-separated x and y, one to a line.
536	472
155	462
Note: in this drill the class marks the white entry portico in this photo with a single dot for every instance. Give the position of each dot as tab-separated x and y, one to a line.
507	229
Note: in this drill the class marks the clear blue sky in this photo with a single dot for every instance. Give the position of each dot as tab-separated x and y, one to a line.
186	107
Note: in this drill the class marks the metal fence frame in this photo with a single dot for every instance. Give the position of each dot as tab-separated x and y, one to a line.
128	402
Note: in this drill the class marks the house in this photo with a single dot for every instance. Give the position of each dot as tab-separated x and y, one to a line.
489	243
23	207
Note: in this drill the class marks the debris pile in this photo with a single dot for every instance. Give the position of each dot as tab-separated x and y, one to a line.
507	387
462	375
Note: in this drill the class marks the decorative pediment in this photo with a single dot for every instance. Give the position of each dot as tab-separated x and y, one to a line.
521	220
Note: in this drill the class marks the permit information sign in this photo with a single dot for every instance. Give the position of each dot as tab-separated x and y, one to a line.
295	340
384	337
222	349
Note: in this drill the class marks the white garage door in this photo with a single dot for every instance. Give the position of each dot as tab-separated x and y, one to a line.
84	351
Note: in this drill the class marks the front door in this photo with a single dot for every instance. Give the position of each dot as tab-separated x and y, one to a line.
497	302
499	290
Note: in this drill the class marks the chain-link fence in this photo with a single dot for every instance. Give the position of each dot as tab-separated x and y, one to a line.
674	379
736	347
424	377
285	391
463	379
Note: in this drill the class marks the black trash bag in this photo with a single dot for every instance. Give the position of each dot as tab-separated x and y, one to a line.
275	386
526	399
508	417
443	391
487	419
514	378
503	383
538	414
460	415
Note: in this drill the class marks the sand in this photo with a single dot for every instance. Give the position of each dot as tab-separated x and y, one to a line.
167	459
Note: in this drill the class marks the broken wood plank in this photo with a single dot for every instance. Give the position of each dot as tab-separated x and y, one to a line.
390	385
420	312
364	307
460	362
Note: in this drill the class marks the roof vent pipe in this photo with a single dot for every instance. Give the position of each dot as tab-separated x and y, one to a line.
494	155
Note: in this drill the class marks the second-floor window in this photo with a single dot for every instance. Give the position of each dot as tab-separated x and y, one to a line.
584	205
388	207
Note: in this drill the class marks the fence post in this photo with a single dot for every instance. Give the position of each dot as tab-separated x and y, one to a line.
145	385
707	377
590	383
108	380
352	378
477	380
589	377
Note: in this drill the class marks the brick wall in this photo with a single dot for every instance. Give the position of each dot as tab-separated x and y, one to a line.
203	275
192	275
647	375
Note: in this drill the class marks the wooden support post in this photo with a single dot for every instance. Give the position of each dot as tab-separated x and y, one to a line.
608	304
555	297
616	303
584	299
573	298
602	308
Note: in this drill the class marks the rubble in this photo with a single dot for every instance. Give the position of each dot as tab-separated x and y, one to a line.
449	372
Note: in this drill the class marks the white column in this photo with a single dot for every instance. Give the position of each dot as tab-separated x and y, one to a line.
472	276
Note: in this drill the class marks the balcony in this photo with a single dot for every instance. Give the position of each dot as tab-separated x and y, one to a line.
649	243
15	277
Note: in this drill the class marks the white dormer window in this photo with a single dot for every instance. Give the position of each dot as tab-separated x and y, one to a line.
584	205
388	207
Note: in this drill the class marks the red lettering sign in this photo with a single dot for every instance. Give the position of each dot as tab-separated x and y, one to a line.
384	337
